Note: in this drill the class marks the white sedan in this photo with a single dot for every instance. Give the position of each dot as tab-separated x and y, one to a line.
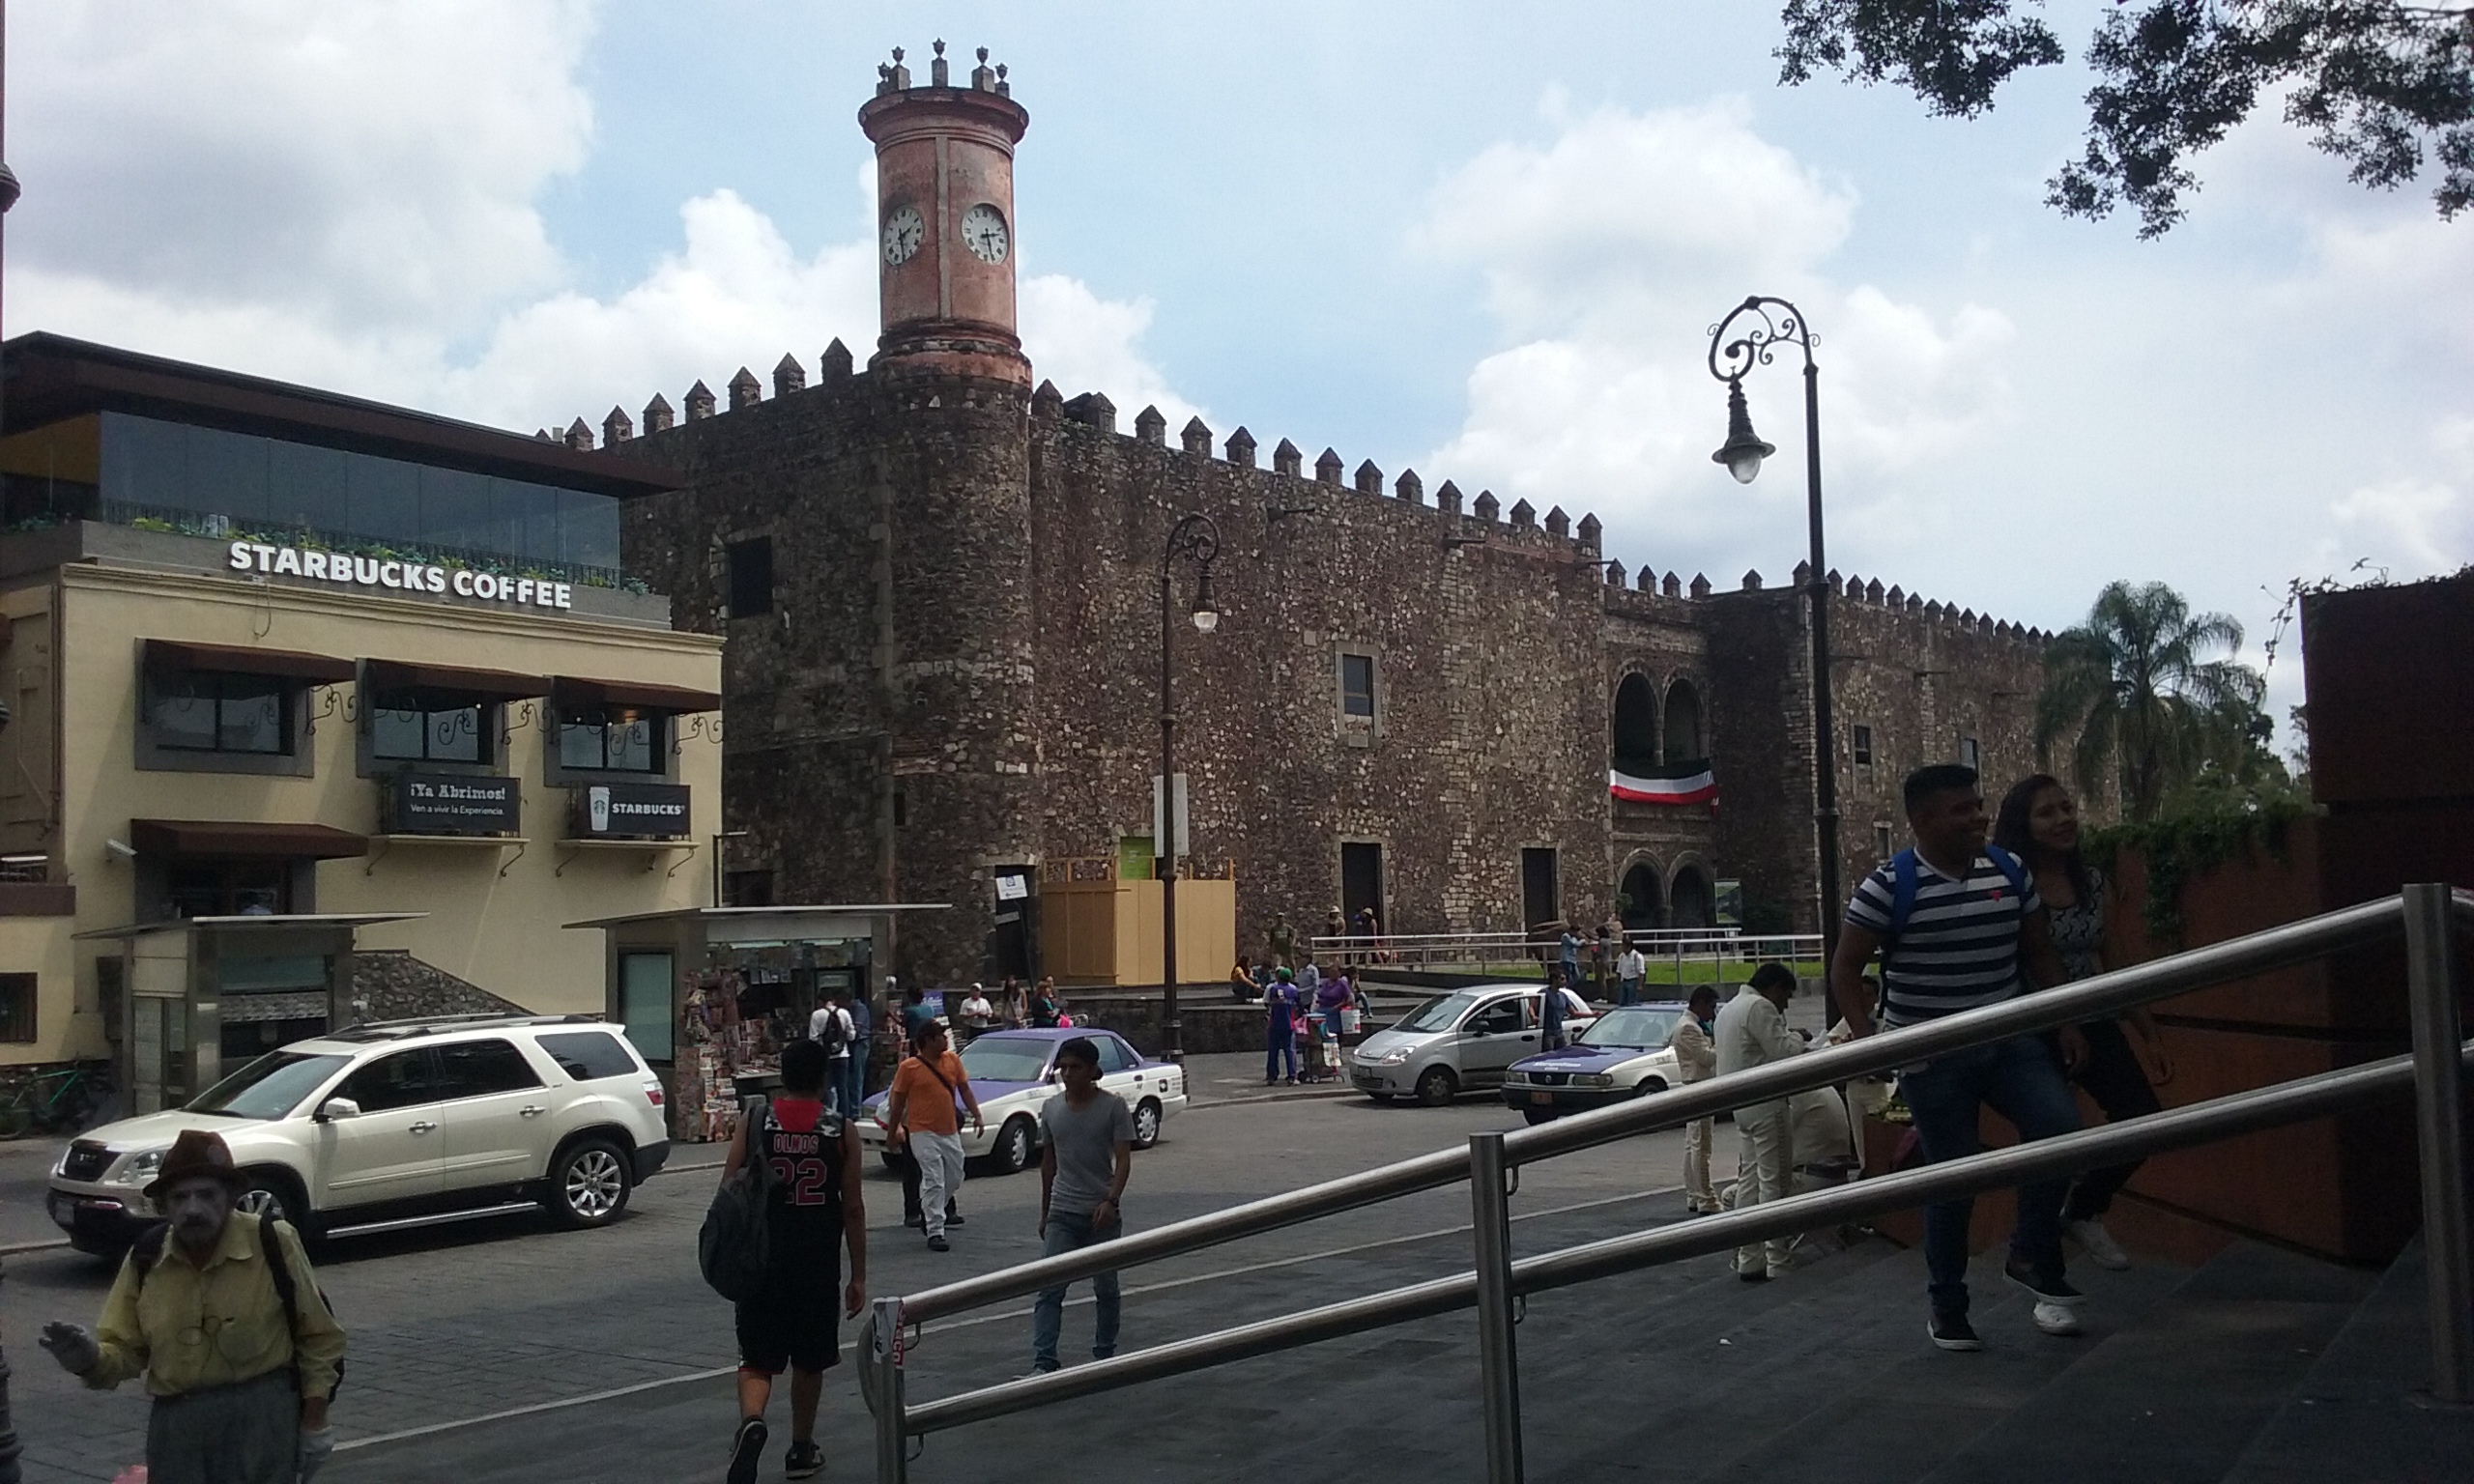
1013	1072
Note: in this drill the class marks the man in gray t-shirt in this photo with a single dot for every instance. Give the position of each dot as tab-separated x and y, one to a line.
1087	1151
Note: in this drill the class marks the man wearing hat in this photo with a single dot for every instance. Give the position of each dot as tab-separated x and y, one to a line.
241	1361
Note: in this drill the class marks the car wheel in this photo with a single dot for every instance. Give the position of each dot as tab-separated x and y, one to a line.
589	1184
1146	1123
1535	1116
271	1196
1647	1086
1012	1151
1437	1086
892	1162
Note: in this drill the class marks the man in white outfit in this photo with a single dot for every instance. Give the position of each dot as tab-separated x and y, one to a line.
1696	1060
1752	1032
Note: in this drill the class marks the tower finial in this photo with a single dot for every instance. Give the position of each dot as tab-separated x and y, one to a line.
983	53
938	70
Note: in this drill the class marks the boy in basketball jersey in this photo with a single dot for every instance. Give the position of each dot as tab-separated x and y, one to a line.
812	1180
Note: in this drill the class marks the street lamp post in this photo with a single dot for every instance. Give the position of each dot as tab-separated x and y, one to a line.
1751	336
1196	539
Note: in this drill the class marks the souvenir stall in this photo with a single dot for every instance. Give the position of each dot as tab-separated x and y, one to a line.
712	994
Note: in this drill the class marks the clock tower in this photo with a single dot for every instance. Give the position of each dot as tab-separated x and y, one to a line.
946	220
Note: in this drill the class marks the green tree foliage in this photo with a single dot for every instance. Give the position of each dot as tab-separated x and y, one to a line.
2152	702
2378	84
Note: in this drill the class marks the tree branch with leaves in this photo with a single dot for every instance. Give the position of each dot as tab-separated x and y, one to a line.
2149	698
2386	87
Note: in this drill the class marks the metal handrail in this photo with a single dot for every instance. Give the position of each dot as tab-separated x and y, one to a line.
2426	914
2097	1148
2089	999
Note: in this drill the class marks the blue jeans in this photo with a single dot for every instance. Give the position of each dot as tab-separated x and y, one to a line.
1072	1233
845	1082
2020	1080
1279	1039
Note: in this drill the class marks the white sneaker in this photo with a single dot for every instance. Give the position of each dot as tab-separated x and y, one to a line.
2057	1319
2099	1245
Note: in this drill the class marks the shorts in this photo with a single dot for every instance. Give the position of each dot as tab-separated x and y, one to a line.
797	1327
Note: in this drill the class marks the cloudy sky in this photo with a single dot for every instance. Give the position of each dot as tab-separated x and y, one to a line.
1486	240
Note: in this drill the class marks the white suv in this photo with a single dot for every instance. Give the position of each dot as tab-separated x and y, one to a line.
395	1124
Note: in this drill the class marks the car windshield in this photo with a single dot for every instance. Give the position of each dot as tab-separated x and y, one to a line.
270	1086
1633	1026
1437	1014
1004	1059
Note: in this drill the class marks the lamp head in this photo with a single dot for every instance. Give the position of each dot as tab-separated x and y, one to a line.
1206	612
1744	450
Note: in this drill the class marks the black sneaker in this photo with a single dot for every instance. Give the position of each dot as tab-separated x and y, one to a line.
804	1461
953	1218
747	1450
1952	1332
2050	1290
938	1243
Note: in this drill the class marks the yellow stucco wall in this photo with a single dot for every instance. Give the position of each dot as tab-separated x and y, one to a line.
495	914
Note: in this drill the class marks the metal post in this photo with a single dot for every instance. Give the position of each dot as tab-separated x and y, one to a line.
1498	1358
2439	1118
893	1445
1165	849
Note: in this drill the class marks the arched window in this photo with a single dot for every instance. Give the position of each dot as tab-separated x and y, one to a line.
1636	724
1641	901
1685	742
1696	899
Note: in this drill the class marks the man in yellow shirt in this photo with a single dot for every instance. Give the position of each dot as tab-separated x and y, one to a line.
241	1358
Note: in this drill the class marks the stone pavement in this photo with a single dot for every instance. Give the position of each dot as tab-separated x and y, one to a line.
458	1322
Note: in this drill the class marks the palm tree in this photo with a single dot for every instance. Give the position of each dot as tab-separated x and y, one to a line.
2146	691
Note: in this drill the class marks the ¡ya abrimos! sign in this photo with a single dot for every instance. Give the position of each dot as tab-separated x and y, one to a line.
403	575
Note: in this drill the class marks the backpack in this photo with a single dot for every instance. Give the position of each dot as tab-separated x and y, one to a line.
835	1037
733	1248
148	1251
1903	889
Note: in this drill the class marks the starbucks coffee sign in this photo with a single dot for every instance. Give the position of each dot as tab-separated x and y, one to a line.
348	571
629	811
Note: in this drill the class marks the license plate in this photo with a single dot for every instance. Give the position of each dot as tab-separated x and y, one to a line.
1543	1098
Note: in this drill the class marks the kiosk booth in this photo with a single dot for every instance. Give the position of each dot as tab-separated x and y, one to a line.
709	995
197	996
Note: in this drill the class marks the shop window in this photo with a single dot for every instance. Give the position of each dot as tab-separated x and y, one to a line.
1357	686
408	727
236	888
644	1003
614	741
1862	745
17	1009
750	565
200	712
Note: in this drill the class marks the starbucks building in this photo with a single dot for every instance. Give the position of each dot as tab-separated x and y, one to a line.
318	710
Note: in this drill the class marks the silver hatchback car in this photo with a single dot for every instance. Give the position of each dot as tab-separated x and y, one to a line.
1458	1043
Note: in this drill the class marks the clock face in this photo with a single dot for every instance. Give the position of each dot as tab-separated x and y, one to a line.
984	233
903	230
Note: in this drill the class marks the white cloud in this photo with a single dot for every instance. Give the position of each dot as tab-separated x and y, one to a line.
345	196
1607	253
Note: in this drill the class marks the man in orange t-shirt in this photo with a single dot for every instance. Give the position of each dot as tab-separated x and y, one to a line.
923	1112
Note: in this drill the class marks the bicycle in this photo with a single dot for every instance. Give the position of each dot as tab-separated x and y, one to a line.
56	1101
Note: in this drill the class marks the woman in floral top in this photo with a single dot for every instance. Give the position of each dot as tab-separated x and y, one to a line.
2039	823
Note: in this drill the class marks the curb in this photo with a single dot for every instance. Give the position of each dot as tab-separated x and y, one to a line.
15	1248
1300	1096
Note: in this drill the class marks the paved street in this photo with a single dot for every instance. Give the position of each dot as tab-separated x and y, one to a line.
454	1326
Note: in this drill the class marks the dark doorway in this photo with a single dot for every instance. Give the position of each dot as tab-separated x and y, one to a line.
1640	900
1636	726
220	888
1541	896
1695	900
1361	881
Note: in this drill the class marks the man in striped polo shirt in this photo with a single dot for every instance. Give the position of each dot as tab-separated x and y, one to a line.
1959	926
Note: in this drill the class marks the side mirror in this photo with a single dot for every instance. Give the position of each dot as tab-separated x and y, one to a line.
338	1107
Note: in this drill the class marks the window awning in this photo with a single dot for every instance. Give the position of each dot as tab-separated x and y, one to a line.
246	837
572	692
172	654
454	680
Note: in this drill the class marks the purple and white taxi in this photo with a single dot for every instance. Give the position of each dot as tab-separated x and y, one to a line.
1625	1052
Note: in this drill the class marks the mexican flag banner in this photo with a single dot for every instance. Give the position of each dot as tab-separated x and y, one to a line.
1682	783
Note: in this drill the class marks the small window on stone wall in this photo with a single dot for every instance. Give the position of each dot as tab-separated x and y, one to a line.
1862	745
1969	754
1357	686
751	576
1881	839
